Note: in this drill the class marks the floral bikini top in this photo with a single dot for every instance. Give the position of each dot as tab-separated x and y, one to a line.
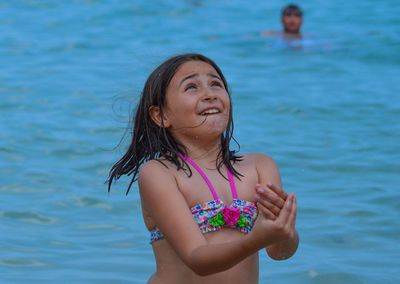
213	215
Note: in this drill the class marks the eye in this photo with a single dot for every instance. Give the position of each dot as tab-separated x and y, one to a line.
216	83
190	87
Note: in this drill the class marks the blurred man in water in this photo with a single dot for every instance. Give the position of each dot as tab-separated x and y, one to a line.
292	19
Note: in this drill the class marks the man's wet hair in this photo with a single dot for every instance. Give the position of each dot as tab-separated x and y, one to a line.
292	9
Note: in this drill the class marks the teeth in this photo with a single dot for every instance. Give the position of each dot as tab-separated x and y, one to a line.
210	111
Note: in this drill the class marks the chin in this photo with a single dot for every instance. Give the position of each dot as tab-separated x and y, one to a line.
216	125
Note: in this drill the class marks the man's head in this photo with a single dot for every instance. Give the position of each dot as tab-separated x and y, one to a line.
292	18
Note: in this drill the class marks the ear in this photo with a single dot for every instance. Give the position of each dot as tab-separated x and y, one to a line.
155	114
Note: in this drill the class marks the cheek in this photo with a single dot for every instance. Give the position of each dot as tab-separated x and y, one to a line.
224	122
228	105
225	99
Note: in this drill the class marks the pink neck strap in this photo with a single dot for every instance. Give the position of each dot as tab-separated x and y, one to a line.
230	176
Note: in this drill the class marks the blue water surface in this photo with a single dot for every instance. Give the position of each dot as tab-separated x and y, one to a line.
325	107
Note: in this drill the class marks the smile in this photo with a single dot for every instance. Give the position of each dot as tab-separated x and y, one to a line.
210	111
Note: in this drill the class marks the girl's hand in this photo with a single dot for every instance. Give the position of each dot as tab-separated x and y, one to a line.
268	230
272	198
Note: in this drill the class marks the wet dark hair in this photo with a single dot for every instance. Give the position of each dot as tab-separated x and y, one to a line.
150	141
292	9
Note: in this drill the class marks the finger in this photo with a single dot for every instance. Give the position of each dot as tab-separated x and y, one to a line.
286	210
270	195
293	214
279	191
265	211
267	203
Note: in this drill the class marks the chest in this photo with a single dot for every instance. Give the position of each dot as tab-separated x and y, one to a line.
196	190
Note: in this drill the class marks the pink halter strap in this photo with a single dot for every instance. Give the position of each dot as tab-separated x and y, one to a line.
230	176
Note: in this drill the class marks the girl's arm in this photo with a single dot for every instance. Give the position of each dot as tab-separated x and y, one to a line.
161	197
271	199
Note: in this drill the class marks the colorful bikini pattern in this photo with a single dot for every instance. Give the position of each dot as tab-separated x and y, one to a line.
214	215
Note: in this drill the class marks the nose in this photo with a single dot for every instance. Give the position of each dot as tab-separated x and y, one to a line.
209	95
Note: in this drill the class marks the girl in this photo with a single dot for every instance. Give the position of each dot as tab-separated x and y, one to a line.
208	209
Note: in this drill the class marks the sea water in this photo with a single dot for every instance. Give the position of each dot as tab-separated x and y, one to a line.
326	108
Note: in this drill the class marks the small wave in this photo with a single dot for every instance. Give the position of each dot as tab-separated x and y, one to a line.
25	250
122	245
89	202
21	262
16	188
101	227
28	216
58	243
312	273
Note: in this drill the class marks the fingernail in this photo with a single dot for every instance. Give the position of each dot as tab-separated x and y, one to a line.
260	190
257	196
269	184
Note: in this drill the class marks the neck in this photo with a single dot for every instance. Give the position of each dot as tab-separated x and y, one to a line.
204	153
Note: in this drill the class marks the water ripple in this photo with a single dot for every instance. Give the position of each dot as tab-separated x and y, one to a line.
21	262
29	217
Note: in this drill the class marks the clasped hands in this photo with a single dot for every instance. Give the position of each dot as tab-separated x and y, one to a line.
277	211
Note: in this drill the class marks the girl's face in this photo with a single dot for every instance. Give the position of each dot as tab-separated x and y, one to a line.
197	102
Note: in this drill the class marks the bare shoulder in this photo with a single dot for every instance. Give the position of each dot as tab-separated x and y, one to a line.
154	173
150	167
260	160
266	167
271	33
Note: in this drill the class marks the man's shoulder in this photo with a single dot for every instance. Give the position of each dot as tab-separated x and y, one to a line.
271	33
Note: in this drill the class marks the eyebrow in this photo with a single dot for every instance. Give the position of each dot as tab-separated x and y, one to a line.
194	75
